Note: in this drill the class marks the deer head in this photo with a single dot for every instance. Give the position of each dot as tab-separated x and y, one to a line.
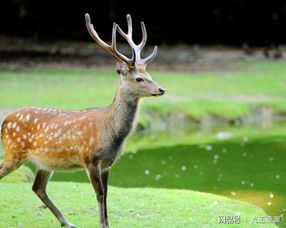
135	80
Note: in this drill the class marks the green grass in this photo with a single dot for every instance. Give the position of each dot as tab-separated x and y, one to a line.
143	207
229	93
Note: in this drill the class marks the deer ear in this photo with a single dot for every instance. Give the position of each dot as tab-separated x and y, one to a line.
121	68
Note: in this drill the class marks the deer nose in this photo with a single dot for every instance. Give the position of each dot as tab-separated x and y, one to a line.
162	91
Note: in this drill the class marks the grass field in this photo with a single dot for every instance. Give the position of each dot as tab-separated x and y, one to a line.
136	207
230	93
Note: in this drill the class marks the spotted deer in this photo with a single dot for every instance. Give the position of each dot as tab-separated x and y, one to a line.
91	139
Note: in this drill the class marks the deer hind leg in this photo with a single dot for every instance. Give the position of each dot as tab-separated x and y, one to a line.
12	161
39	187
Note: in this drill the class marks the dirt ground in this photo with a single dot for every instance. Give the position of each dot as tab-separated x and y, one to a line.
19	54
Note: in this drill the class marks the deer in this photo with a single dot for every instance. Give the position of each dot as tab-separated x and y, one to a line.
91	139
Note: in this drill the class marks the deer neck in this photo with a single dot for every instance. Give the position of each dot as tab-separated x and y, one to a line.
123	112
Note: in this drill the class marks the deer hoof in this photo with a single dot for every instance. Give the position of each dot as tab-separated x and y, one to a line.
69	225
104	226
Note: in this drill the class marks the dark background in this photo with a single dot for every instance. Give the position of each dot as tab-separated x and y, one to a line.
169	22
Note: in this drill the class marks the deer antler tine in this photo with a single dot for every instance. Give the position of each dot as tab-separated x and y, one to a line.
121	32
87	18
151	56
89	26
129	23
93	33
144	36
113	39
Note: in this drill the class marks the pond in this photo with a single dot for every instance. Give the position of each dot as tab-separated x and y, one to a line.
245	162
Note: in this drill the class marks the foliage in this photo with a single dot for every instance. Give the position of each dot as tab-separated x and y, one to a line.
231	22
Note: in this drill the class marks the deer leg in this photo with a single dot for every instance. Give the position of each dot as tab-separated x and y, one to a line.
95	178
5	170
39	187
104	179
10	163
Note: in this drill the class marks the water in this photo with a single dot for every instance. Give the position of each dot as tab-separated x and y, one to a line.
244	162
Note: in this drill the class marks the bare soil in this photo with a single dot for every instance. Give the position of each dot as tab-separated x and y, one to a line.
19	54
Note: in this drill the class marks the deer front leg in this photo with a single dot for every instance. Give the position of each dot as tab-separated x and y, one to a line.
104	179
39	187
95	178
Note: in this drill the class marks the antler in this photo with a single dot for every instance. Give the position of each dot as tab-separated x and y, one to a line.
111	48
136	49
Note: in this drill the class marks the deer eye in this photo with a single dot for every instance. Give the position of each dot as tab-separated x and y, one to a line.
140	79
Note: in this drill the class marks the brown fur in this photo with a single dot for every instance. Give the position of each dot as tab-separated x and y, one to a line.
57	139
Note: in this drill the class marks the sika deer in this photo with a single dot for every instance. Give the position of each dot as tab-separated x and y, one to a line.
92	139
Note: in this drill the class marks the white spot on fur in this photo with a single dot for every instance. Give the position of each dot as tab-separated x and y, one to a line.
24	136
18	114
34	143
36	120
9	125
14	134
91	140
21	117
17	128
18	139
22	144
14	125
67	123
47	128
28	117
